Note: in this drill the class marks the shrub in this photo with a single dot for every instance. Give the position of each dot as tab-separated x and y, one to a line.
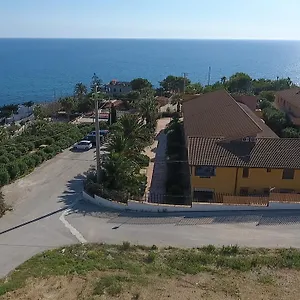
41	154
30	146
37	159
48	141
4	177
3	206
4	159
2	151
125	246
22	149
151	257
29	160
13	170
143	160
10	156
17	153
48	149
22	166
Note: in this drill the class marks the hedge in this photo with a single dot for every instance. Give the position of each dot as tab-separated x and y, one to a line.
21	154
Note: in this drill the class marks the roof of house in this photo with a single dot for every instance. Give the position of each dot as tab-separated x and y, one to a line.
290	95
217	114
264	153
250	101
266	130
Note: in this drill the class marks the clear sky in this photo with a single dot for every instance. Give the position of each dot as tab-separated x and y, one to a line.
200	19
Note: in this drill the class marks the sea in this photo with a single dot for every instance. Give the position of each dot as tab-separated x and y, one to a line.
45	69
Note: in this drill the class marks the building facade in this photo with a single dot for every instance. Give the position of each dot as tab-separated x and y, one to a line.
232	152
117	88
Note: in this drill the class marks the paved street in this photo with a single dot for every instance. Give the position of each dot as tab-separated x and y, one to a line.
42	219
38	200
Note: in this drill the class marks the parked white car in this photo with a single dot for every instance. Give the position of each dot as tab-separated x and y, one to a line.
83	145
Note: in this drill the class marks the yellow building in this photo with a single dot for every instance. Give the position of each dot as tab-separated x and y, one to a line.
232	152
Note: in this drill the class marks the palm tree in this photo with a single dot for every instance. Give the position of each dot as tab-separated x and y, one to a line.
177	100
223	80
67	105
80	90
148	111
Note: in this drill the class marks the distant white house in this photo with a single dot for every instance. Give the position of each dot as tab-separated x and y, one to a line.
23	113
115	88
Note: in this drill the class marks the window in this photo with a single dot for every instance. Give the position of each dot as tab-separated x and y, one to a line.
245	172
288	174
120	90
244	191
286	191
205	171
115	90
269	170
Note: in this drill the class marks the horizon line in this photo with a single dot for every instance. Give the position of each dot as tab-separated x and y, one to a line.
149	38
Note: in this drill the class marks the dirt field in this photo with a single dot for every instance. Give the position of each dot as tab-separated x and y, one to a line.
266	285
144	273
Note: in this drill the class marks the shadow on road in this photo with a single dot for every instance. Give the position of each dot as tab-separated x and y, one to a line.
32	221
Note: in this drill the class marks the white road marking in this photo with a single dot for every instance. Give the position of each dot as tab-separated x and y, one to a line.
72	229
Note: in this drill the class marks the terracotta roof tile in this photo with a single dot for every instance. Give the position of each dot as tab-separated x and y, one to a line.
217	114
264	153
266	130
250	101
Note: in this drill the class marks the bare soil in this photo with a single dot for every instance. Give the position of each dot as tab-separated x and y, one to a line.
259	285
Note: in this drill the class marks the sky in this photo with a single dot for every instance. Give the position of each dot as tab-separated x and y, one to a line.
188	19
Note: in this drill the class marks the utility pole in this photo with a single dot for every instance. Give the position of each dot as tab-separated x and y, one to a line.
184	81
98	157
209	74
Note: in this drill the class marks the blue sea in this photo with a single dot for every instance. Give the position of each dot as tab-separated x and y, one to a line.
44	69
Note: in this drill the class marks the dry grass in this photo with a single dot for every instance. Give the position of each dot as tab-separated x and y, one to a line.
137	272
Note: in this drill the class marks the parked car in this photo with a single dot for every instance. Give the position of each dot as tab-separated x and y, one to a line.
92	136
83	145
102	132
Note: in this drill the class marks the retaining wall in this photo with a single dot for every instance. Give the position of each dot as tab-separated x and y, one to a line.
151	207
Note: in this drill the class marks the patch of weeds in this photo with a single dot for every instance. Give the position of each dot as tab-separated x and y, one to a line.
151	257
154	247
125	246
290	258
234	263
111	285
135	296
229	250
265	279
208	249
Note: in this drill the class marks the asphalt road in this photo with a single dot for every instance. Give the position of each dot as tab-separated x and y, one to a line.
45	217
38	201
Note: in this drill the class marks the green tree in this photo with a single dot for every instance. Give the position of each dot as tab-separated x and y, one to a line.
223	80
87	104
148	111
68	105
275	119
194	88
39	112
290	132
264	104
239	82
139	84
4	135
268	95
96	81
80	90
174	84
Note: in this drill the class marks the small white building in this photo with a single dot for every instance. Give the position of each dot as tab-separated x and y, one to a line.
115	88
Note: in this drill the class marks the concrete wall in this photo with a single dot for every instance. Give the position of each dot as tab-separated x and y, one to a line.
196	207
